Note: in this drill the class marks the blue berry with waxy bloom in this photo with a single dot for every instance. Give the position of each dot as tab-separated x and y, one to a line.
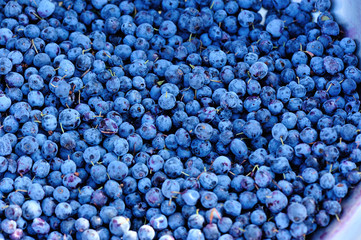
193	115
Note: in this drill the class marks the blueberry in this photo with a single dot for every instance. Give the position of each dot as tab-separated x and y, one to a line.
296	212
282	220
277	201
6	65
275	27
40	226
245	18
253	232
8	226
5	146
90	234
176	114
195	233
310	175
322	218
31	209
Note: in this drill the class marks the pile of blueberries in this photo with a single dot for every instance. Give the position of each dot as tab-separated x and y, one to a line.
175	119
